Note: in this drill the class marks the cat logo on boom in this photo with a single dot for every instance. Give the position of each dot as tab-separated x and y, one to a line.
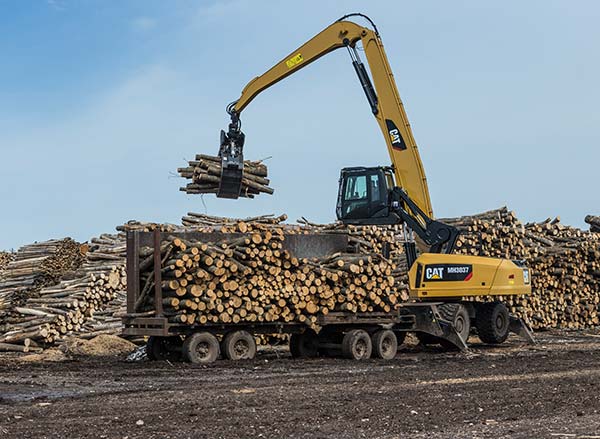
395	136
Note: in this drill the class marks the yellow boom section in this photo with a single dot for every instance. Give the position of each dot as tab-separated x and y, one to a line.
389	113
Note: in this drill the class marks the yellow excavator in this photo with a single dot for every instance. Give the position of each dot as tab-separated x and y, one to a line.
394	194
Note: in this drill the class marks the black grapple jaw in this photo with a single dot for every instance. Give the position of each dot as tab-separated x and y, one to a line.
232	160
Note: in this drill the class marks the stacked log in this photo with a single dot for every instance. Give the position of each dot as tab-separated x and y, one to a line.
106	319
251	279
68	306
208	223
565	265
5	259
205	176
371	239
594	222
35	266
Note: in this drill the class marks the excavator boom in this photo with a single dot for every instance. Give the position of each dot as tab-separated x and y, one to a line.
396	194
382	95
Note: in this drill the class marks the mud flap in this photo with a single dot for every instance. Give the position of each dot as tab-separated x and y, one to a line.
519	327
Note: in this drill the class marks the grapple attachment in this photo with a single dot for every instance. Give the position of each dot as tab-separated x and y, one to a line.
232	160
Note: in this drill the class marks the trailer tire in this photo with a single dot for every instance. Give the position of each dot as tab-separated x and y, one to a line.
492	322
356	345
238	345
201	348
161	348
385	344
305	345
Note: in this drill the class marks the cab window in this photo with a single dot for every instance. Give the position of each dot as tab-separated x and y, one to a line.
356	188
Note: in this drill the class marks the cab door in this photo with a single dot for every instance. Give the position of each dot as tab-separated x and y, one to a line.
363	194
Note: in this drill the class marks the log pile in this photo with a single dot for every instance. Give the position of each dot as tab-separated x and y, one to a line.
58	288
362	239
594	222
205	176
35	266
565	264
208	223
251	279
67	306
5	258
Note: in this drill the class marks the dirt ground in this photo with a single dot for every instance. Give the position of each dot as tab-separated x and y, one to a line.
551	390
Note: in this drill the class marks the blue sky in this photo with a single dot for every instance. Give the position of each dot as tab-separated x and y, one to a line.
101	101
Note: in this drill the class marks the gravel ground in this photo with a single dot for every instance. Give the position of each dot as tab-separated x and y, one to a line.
550	390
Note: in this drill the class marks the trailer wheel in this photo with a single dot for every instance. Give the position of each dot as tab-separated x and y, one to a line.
161	348
492	322
201	348
305	345
239	345
356	345
385	344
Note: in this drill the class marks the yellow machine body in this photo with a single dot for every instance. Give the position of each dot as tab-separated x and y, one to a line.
436	276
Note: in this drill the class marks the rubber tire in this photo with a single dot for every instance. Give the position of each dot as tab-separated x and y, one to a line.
492	322
459	316
192	343
356	345
233	341
304	345
385	344
157	349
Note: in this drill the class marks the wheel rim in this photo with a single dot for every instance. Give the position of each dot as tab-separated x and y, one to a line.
386	345
500	322
310	345
160	349
241	348
459	324
462	327
360	348
203	350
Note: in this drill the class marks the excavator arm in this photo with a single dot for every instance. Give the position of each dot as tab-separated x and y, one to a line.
411	201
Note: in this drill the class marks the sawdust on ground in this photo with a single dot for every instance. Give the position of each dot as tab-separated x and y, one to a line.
104	345
49	355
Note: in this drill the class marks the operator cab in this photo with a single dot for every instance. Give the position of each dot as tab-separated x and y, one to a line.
364	196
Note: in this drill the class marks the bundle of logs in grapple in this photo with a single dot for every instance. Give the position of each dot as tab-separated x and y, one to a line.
564	261
252	278
594	222
205	176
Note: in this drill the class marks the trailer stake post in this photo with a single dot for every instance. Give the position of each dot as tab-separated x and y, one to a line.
158	305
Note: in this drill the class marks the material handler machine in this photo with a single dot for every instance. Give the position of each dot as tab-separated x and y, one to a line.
439	281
